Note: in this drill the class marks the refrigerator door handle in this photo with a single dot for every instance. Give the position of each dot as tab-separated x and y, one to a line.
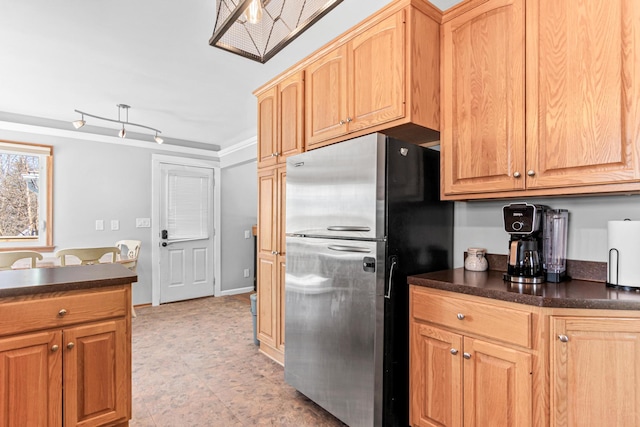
343	248
393	265
347	228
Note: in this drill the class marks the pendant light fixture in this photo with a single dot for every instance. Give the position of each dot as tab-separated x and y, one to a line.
258	29
122	133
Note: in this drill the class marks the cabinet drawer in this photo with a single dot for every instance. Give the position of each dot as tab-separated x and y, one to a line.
486	319
44	312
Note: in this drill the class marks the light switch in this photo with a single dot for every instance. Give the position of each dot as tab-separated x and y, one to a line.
247	234
99	224
143	222
115	224
246	272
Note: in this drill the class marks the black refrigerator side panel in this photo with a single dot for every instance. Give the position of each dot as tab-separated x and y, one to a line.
420	239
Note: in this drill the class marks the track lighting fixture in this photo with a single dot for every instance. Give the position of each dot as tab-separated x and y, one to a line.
122	133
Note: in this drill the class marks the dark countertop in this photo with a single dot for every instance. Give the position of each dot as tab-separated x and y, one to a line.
568	294
40	280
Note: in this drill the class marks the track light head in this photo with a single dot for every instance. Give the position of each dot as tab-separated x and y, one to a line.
78	123
123	132
158	139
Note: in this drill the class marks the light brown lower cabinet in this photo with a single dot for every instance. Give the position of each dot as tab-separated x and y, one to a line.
595	371
457	378
477	361
69	364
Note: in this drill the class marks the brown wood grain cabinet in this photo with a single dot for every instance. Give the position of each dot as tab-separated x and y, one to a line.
271	261
281	120
471	363
540	98
383	75
65	360
595	370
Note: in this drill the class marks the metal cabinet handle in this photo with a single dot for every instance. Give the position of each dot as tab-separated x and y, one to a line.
516	175
342	122
460	316
453	351
344	248
55	347
563	338
393	265
466	356
276	154
275	253
70	345
349	119
531	173
62	312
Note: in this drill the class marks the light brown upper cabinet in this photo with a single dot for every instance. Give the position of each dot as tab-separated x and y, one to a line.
554	112
281	120
359	84
384	76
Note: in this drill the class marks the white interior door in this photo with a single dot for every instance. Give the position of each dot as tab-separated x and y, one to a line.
186	236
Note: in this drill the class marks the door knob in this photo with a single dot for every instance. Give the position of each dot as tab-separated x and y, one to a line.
516	175
62	312
164	244
460	316
70	345
453	351
55	347
466	355
563	338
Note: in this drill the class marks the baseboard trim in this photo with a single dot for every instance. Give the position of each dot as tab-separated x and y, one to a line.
236	291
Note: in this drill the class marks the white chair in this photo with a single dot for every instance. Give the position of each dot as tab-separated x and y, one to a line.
87	256
7	259
129	251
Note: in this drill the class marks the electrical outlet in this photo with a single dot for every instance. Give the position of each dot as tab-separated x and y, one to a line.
115	224
99	224
143	222
247	234
246	272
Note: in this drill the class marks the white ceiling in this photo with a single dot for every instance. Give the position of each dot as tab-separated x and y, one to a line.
153	55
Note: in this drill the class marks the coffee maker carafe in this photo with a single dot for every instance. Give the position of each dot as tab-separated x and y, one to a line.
523	222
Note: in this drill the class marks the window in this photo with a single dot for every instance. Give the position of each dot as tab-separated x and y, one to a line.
25	196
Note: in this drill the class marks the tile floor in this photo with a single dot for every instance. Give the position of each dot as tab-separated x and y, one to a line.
195	364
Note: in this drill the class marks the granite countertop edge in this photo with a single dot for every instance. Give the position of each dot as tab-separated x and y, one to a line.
580	294
34	281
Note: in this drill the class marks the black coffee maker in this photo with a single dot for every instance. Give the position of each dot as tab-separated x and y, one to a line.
524	224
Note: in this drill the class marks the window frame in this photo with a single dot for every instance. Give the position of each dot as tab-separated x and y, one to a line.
45	242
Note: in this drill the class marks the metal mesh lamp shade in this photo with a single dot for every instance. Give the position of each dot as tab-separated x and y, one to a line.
282	21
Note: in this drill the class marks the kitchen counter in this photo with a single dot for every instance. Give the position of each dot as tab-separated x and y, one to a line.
567	294
44	280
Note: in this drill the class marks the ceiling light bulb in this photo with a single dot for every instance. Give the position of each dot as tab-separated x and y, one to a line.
158	139
78	123
253	12
122	132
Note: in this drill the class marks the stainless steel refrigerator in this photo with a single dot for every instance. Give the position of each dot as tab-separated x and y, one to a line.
360	216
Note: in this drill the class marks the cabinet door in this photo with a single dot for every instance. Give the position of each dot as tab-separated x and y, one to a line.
31	380
595	371
267	299
267	127
435	377
96	374
267	211
281	301
291	116
497	385
483	128
376	85
583	92
326	97
281	212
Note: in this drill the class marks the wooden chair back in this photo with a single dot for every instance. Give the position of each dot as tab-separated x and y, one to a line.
87	256
7	259
129	250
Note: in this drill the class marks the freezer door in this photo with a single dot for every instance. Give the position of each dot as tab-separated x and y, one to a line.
334	324
338	190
